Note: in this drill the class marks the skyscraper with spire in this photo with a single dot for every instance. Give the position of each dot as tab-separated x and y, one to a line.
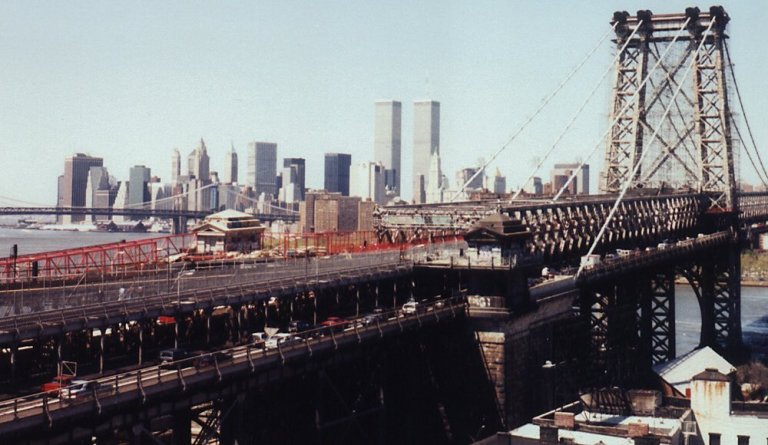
198	162
426	143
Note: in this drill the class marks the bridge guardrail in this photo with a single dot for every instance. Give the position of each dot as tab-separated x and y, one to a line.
15	324
644	258
149	381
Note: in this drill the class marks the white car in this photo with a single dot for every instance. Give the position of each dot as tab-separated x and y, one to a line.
280	339
80	388
410	307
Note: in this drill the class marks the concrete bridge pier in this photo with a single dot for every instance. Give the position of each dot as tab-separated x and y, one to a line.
516	334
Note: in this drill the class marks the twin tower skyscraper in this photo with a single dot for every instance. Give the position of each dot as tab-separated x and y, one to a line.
387	144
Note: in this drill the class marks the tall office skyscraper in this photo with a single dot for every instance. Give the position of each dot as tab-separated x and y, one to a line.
367	181
499	183
386	140
97	191
299	165
198	163
262	168
426	142
580	184
175	166
138	192
75	183
229	175
337	172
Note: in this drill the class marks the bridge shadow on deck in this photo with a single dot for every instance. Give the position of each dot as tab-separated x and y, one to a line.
429	386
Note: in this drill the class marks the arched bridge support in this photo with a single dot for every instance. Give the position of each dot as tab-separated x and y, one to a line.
716	281
631	312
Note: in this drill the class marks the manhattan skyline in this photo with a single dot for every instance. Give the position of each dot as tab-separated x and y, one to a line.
130	83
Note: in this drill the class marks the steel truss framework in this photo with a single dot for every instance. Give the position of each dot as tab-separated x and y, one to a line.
694	140
634	313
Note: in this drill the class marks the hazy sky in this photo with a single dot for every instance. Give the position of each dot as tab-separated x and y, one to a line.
130	81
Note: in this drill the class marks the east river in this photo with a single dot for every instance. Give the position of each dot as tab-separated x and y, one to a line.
754	300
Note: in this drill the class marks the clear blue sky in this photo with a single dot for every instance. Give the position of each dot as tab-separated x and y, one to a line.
129	81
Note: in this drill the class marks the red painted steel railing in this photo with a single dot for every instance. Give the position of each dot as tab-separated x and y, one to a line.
102	258
146	254
329	243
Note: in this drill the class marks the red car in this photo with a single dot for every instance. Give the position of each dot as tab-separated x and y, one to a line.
56	384
335	323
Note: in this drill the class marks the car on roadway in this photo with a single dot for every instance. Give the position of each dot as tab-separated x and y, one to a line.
281	339
411	307
57	383
82	388
367	320
210	359
258	340
298	326
334	323
169	356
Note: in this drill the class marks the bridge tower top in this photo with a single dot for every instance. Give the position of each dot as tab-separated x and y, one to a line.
670	119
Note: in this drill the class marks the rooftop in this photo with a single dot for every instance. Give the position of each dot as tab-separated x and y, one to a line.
679	372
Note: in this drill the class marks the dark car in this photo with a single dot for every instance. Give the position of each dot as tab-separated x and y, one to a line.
169	356
368	320
219	357
298	326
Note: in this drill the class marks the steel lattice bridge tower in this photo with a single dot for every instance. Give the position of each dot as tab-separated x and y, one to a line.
670	127
692	147
670	173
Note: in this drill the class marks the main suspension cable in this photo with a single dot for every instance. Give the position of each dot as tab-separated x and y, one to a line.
621	112
577	113
544	103
636	168
741	106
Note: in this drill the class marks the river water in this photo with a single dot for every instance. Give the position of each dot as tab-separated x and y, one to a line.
754	320
33	241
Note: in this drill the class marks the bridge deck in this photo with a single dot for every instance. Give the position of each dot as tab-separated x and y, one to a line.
154	383
208	293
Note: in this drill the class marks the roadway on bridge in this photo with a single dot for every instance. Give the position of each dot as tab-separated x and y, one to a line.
152	382
101	304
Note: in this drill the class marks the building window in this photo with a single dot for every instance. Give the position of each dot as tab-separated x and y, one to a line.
743	440
714	438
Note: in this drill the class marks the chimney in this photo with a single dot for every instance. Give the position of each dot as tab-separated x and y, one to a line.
565	420
638	429
711	394
548	435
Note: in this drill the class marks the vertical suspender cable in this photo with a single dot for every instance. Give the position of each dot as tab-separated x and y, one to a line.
577	114
623	109
544	103
639	161
741	106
